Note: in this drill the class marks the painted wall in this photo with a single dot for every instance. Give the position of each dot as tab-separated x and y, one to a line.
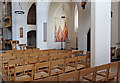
21	21
84	26
119	22
114	23
55	10
46	13
42	16
101	32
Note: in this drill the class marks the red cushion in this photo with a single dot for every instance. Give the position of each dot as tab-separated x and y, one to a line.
32	63
9	68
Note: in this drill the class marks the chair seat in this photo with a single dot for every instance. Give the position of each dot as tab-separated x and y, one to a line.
23	78
32	63
111	74
56	71
41	74
83	80
69	68
9	68
79	66
98	78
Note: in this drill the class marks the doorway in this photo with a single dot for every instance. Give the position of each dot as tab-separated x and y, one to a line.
89	40
31	38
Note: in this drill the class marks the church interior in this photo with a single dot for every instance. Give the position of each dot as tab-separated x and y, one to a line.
51	40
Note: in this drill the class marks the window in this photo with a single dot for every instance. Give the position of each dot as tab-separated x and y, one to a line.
44	31
76	18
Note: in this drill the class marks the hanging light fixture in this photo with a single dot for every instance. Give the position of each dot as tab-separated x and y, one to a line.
19	11
63	16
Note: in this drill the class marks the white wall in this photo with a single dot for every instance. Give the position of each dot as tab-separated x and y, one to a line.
101	32
46	13
55	10
119	22
42	9
114	23
21	21
84	26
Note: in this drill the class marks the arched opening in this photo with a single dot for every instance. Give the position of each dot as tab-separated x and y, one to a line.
76	24
31	18
31	38
89	40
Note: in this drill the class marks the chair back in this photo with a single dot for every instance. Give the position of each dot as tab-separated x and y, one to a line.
72	76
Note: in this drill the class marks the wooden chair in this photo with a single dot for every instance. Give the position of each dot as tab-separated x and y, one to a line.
48	50
20	76
14	44
22	46
53	52
9	51
70	64
64	51
42	70
43	59
57	66
66	55
81	62
88	54
5	60
11	65
56	57
23	56
31	61
113	72
113	52
34	55
86	72
80	53
99	70
30	47
44	53
6	54
36	50
73	54
28	51
48	79
17	54
72	76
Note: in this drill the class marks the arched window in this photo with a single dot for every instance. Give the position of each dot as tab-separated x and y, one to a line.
76	18
31	18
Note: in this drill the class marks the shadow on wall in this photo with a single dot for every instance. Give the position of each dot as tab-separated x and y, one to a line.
31	38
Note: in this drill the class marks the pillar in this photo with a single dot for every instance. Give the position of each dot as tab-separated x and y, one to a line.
100	32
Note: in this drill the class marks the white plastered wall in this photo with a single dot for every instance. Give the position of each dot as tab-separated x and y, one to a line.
84	26
21	21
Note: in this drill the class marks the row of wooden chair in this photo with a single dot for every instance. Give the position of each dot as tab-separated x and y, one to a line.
33	58
26	50
54	66
8	56
100	73
30	51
